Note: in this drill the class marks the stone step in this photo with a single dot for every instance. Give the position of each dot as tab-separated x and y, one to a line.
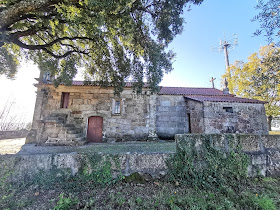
74	131
53	121
75	135
70	136
58	115
80	141
58	119
69	125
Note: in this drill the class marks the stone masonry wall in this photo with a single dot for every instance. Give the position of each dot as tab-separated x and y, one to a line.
246	118
263	150
13	134
22	167
171	116
86	101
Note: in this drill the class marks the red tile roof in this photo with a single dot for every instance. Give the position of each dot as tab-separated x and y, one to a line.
190	91
84	83
224	98
197	94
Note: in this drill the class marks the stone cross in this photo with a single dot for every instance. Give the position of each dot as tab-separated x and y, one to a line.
212	80
226	83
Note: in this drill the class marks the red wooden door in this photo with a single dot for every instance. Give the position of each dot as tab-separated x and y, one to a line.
95	127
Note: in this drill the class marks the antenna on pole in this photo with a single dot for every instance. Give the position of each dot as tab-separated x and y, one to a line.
226	44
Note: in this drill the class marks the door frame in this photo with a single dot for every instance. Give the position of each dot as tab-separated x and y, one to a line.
93	114
98	127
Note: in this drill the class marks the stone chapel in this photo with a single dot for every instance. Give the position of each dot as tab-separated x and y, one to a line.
83	112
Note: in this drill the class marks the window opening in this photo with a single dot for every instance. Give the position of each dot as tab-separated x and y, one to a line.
117	107
228	109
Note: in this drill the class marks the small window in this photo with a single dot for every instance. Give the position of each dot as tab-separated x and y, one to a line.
228	109
117	107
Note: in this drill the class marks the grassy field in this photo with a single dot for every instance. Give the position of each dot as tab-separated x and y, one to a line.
263	193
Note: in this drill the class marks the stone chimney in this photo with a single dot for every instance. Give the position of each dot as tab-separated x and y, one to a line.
226	90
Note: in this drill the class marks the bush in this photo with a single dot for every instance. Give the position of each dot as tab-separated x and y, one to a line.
209	168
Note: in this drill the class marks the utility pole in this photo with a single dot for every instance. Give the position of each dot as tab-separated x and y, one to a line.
225	45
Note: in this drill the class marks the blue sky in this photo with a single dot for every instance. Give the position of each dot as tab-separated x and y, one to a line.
195	62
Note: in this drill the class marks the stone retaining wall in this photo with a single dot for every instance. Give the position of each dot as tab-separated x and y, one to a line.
263	150
13	134
20	167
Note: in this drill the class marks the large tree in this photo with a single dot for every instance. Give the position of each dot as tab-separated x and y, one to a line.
112	40
259	78
269	18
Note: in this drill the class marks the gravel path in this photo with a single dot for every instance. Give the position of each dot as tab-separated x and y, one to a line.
18	146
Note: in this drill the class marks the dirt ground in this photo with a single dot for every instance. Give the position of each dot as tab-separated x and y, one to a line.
18	146
11	146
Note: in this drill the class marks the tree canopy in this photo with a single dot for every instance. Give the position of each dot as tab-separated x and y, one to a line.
259	78
112	40
269	18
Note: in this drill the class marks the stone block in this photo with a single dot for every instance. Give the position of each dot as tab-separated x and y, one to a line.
165	103
271	141
86	107
273	168
78	101
249	142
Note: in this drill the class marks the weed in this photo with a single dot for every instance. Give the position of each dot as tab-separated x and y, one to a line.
98	170
65	203
265	203
138	201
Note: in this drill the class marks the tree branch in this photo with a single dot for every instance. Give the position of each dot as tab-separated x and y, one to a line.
22	9
15	40
44	48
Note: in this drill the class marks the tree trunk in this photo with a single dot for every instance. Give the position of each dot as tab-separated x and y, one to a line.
269	120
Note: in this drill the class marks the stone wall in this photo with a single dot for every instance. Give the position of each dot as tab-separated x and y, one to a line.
275	123
245	118
263	150
13	134
21	167
171	116
86	101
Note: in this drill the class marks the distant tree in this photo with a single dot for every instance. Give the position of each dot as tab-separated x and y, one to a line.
269	18
112	39
259	78
10	119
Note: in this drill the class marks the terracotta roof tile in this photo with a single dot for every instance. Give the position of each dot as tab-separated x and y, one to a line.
197	94
83	83
225	99
189	91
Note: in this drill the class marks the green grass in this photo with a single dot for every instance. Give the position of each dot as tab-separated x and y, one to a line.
222	185
71	193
